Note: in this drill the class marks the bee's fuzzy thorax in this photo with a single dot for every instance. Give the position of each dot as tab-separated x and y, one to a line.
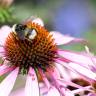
39	52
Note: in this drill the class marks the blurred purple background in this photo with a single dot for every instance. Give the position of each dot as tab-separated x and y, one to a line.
73	17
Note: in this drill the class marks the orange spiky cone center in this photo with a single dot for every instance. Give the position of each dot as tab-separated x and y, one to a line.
37	53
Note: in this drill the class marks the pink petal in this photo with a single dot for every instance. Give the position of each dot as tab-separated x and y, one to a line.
76	57
54	73
83	71
53	92
63	72
88	88
65	65
32	88
43	89
63	82
69	93
4	31
7	84
47	83
63	39
4	69
1	51
18	92
92	94
68	66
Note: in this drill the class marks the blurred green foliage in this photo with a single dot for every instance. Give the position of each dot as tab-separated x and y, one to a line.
6	16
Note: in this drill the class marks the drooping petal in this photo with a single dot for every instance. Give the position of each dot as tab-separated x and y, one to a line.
76	57
47	83
53	92
83	71
62	71
4	31
92	94
4	69
18	92
54	73
69	93
63	39
1	51
64	81
7	84
39	21
32	88
43	89
68	66
65	65
88	88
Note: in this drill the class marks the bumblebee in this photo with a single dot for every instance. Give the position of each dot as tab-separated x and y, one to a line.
23	32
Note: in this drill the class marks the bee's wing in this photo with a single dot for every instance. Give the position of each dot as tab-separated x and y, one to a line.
30	19
34	19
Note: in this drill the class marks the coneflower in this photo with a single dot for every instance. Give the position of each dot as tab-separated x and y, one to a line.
29	49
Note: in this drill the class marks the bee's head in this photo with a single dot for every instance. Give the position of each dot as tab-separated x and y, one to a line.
22	31
20	28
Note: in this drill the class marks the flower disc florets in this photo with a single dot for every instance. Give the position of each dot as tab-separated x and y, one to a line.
36	48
